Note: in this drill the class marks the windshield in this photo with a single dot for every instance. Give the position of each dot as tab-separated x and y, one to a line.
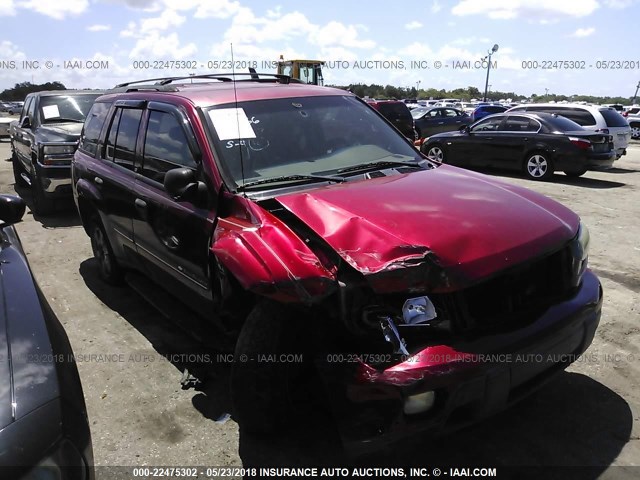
66	108
302	136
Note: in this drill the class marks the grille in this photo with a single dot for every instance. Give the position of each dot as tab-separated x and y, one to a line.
512	299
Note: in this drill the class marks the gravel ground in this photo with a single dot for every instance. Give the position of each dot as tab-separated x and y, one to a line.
131	365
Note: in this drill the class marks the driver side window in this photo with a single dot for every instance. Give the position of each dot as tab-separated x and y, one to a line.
165	146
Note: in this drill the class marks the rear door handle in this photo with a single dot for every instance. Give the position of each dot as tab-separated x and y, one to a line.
98	181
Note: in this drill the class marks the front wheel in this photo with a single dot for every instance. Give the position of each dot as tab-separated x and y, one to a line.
538	166
635	130
269	369
18	171
435	152
41	204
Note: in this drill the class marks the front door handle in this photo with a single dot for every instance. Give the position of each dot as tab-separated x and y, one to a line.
141	207
98	181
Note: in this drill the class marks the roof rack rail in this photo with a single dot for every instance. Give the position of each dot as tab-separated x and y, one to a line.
223	77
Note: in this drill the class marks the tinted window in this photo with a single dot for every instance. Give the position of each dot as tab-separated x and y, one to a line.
520	124
579	115
121	144
563	124
27	108
394	110
93	127
447	112
65	108
165	146
488	125
494	109
613	118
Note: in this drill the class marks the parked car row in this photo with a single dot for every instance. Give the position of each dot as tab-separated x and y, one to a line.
301	219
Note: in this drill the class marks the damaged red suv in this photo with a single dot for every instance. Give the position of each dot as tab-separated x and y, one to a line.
297	220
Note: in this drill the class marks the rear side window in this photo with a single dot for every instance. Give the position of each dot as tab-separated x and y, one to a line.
395	110
165	146
613	118
93	127
520	124
121	142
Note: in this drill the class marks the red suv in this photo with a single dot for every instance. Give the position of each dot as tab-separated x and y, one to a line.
424	296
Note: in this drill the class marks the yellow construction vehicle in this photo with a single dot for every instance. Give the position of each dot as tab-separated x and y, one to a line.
307	71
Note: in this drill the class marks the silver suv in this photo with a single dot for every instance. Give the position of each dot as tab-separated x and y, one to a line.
592	117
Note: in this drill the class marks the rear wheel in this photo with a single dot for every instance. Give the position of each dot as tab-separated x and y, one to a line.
265	385
635	130
575	173
108	267
538	166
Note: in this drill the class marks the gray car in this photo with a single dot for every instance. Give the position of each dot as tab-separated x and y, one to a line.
44	431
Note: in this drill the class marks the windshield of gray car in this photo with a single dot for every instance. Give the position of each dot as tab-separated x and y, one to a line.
302	136
66	108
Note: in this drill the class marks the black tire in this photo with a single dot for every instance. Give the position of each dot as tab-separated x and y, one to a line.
42	205
635	130
575	173
18	171
538	166
108	267
264	393
435	152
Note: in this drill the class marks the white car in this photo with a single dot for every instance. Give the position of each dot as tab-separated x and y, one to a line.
634	123
4	126
592	117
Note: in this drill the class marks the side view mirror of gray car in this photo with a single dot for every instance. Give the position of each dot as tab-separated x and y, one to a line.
12	209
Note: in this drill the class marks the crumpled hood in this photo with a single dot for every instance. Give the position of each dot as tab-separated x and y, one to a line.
468	223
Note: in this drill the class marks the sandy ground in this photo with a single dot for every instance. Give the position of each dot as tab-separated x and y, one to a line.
140	415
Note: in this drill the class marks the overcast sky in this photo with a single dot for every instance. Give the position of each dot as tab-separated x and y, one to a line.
121	32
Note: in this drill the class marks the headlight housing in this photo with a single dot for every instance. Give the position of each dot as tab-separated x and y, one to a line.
59	149
580	254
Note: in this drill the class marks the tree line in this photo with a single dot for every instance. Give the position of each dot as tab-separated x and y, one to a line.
466	94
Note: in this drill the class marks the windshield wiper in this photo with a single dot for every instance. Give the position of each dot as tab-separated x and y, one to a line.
63	119
379	164
291	178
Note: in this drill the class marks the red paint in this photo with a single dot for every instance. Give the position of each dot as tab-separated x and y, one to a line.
474	225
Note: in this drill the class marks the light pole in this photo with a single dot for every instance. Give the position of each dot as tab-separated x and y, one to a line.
489	53
417	87
633	102
546	93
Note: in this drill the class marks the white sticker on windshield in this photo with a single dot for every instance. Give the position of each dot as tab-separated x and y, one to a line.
50	111
231	123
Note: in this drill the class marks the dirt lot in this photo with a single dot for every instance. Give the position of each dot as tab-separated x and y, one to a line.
140	415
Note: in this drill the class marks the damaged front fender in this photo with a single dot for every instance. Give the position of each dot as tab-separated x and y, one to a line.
267	258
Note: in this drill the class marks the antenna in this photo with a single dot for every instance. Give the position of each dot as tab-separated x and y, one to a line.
235	94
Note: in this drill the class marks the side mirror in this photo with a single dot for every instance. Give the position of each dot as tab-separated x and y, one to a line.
464	129
25	123
181	184
11	209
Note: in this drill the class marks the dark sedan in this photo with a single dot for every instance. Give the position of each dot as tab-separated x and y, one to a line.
44	432
432	120
536	144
